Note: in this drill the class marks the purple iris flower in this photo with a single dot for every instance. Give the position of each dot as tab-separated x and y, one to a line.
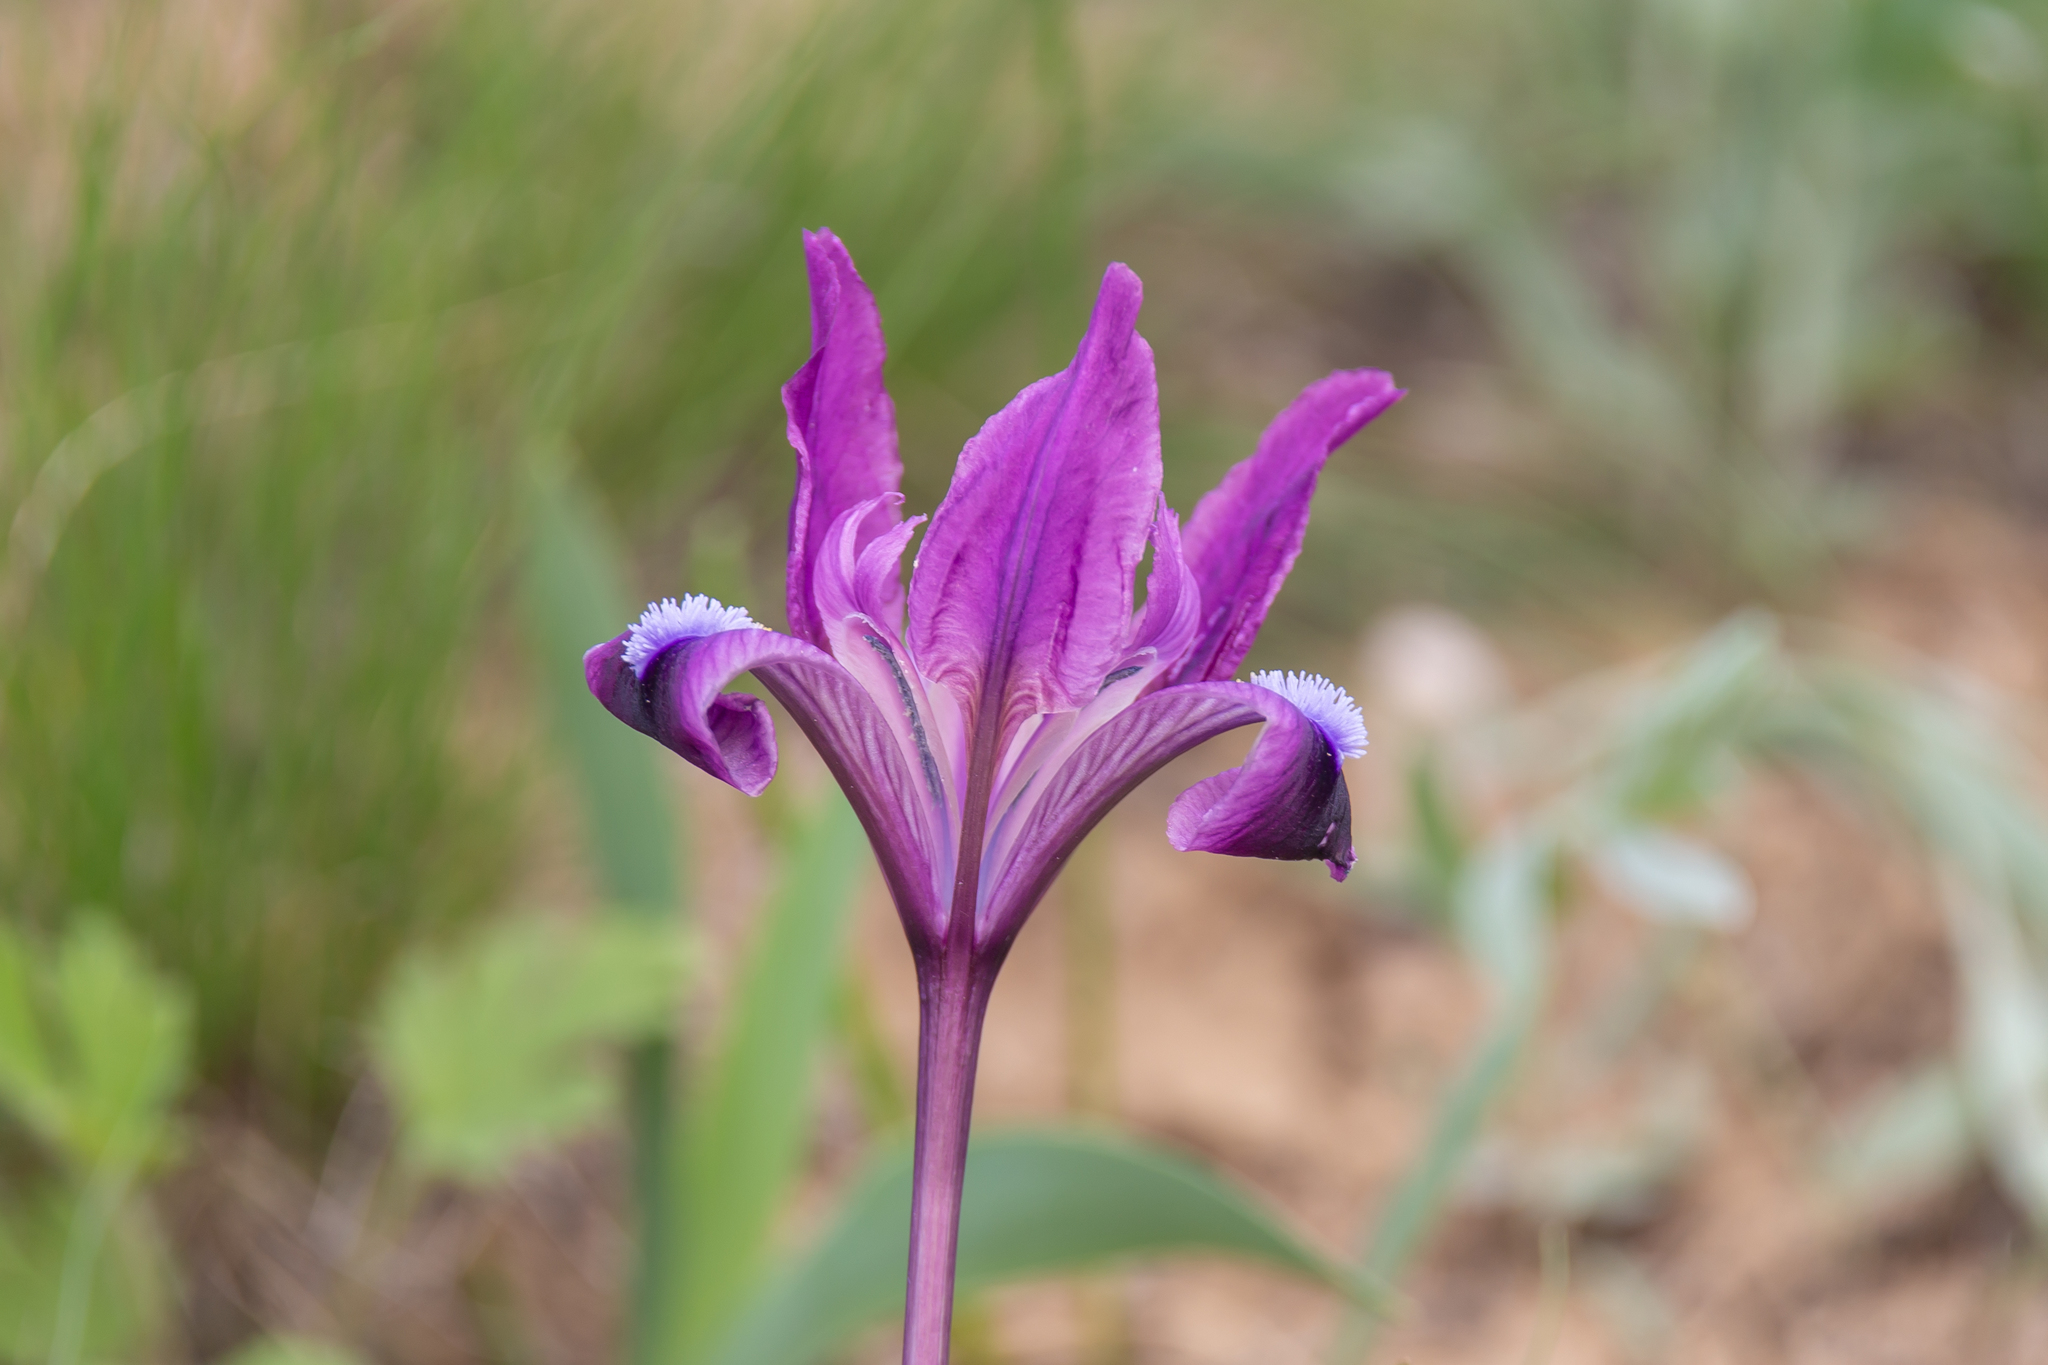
982	723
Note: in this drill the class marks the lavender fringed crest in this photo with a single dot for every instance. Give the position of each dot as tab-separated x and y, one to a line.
983	722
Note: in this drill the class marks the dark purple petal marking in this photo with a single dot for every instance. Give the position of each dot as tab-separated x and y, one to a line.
1247	531
845	726
729	735
841	422
1021	596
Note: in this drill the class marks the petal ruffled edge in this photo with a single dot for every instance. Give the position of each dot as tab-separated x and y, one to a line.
680	702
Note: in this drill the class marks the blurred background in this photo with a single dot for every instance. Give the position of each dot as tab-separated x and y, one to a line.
367	995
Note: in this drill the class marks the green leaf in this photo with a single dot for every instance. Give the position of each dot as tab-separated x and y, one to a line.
293	1351
29	1087
1670	879
1503	906
747	1129
1915	1136
105	1304
130	1035
1036	1203
2004	1040
489	1049
1673	754
92	1060
1502	910
1440	844
574	599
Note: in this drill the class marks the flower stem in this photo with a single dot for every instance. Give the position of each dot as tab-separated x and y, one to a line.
954	1000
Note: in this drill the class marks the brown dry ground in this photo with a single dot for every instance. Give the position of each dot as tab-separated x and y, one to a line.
1274	1025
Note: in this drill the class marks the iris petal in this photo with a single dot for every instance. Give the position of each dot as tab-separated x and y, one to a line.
1022	591
1247	531
841	421
1288	799
679	702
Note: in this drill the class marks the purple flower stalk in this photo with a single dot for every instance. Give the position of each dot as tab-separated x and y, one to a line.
983	723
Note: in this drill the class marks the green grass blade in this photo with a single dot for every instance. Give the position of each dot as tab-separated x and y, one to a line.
1502	906
575	597
748	1127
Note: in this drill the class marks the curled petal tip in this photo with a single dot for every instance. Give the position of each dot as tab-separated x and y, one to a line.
674	698
1289	799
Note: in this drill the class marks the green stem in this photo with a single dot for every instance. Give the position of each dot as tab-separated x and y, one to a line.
650	1080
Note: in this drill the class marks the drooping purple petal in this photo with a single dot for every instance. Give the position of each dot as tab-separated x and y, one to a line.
1022	592
1291	769
1288	800
678	701
675	698
841	422
1246	532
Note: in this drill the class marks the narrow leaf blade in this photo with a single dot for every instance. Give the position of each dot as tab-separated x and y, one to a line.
1036	1203
744	1143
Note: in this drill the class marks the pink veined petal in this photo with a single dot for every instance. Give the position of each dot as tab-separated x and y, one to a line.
841	421
1173	597
858	568
1247	531
1022	590
859	618
1288	799
679	702
1160	633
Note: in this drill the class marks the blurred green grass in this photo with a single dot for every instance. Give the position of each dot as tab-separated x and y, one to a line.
254	699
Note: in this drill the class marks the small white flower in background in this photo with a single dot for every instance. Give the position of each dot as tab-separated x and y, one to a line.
1432	667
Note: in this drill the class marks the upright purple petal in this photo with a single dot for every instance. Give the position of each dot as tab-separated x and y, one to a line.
860	620
1173	598
679	701
1246	532
1021	595
841	422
